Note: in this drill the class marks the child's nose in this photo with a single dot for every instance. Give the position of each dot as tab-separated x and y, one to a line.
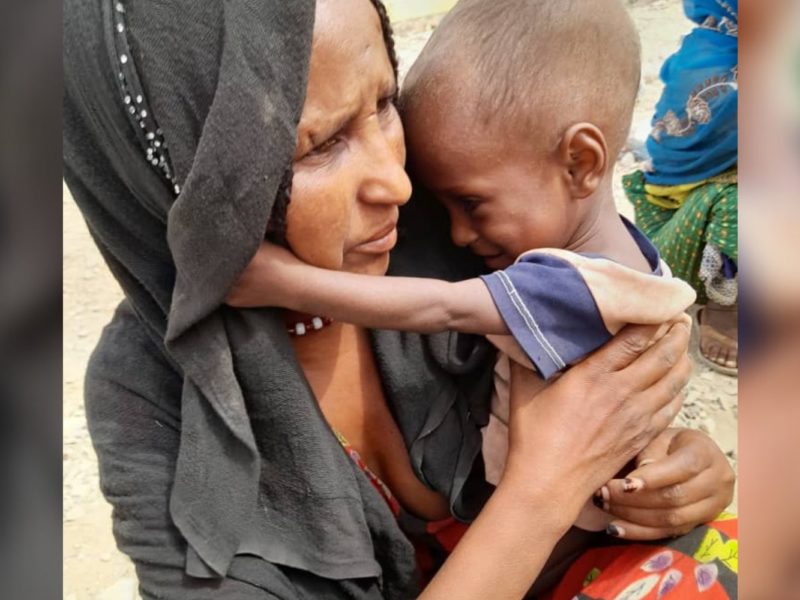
461	231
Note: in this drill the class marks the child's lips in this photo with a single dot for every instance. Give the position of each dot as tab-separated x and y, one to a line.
494	261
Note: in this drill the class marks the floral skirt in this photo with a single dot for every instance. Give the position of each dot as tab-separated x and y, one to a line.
685	221
702	565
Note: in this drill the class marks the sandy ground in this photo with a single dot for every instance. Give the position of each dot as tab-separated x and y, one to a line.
93	568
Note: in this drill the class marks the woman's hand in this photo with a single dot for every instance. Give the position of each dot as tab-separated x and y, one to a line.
565	442
266	280
582	429
683	480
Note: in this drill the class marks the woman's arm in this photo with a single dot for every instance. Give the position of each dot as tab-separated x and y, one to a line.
275	277
557	459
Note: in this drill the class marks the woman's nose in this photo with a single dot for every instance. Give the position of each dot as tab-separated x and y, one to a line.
385	179
461	230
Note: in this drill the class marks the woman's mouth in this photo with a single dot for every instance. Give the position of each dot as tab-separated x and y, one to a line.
381	243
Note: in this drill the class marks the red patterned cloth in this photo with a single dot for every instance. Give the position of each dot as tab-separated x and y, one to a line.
702	565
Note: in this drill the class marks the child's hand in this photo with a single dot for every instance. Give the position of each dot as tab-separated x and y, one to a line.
683	480
265	281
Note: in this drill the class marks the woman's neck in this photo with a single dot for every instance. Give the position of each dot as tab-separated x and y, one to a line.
322	348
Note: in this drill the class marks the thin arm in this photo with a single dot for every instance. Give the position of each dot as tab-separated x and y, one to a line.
399	303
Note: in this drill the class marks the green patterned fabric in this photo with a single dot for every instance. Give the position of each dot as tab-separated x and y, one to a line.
708	214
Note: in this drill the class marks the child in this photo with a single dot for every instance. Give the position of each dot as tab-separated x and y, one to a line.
514	114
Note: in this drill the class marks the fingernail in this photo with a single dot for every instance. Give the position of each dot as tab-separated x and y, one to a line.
604	491
632	485
598	501
606	507
615	531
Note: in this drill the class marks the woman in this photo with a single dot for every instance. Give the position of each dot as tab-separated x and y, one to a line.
219	432
687	200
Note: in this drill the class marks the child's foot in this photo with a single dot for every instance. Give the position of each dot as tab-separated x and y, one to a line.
719	335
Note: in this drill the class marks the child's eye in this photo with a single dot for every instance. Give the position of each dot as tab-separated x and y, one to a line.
387	103
469	204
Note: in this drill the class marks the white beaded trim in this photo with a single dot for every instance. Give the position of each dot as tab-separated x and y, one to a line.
302	328
148	132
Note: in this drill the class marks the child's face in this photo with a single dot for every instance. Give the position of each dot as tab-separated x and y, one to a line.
504	197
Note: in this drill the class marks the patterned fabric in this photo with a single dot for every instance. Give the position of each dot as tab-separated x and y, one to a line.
702	565
718	274
373	479
682	220
695	131
433	540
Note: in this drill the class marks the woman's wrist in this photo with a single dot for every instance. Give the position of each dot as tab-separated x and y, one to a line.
534	488
506	547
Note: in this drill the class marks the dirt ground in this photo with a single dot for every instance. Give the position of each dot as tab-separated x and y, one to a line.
93	568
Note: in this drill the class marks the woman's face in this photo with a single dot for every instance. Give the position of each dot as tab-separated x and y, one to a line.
349	177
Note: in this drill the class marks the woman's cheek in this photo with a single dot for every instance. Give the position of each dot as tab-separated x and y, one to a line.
317	219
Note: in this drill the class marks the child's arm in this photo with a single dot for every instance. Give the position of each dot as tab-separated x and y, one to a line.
275	277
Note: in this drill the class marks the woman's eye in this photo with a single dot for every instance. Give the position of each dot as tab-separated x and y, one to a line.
325	146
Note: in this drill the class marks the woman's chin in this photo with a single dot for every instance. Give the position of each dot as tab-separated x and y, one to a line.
367	264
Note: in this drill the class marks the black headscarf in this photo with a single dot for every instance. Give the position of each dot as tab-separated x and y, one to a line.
179	128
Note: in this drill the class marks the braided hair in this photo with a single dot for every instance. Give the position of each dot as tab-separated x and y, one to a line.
276	227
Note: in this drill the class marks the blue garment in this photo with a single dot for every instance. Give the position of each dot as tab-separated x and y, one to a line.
695	131
549	309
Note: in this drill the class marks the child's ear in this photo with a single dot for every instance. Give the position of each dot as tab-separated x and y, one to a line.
584	153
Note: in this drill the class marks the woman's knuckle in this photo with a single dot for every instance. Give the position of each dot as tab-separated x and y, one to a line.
674	495
635	345
676	387
672	520
729	476
694	464
687	368
669	357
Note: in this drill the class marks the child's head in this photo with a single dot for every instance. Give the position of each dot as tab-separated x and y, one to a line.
515	112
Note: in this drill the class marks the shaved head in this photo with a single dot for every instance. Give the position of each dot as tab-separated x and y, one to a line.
533	67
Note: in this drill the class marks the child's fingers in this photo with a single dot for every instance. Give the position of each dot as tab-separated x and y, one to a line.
656	450
650	524
680	466
665	498
670	519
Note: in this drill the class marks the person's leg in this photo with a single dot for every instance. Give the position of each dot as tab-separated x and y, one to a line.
719	332
698	239
718	321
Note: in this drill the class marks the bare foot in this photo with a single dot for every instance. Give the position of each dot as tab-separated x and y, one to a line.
719	333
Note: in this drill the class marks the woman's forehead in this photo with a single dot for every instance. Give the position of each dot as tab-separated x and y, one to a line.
345	23
349	61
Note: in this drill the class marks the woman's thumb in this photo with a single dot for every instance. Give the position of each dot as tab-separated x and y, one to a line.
624	348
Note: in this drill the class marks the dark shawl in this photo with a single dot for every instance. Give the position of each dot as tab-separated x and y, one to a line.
258	470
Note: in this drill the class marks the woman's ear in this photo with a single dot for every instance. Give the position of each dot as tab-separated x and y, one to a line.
584	153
